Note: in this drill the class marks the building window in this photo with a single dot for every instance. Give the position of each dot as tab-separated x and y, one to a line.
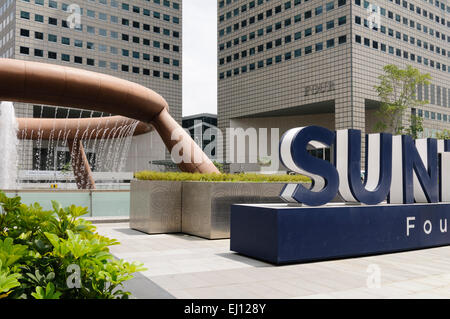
24	50
52	55
318	10
330	24
52	38
308	49
24	32
330	6
342	39
65	41
25	15
38	52
330	43
39	18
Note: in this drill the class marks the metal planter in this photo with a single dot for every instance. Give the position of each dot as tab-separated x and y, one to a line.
207	205
155	206
196	208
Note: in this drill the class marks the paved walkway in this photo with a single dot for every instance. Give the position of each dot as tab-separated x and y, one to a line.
182	266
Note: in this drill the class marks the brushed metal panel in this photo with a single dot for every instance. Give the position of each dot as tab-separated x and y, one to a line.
155	206
223	196
196	208
206	205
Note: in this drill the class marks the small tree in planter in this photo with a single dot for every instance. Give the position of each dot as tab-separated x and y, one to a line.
397	93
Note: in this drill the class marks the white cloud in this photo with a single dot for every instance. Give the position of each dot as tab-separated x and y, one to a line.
199	57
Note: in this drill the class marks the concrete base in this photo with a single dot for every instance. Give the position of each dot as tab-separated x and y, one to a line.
286	234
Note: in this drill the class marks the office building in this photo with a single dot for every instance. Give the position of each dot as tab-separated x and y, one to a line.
203	129
284	64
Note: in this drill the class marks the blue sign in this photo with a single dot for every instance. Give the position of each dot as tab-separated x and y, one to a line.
283	235
395	206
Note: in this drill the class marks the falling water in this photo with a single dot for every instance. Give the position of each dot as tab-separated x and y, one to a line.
8	146
107	148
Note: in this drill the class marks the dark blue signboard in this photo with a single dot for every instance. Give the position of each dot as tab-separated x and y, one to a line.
298	234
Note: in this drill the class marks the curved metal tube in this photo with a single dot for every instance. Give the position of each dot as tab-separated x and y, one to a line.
34	82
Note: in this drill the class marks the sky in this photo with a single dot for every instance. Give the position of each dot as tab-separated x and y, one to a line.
199	57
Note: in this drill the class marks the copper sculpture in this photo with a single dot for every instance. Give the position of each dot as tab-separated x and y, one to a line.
49	84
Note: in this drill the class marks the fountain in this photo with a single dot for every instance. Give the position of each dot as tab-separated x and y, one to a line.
76	149
138	108
115	132
87	144
8	146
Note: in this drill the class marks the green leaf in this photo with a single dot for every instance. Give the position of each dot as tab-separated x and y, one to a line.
50	276
77	211
39	294
56	206
54	239
49	292
7	281
11	253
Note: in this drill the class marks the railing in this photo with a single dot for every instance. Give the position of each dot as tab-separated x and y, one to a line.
101	203
37	180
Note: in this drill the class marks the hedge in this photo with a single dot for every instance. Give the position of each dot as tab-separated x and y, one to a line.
213	177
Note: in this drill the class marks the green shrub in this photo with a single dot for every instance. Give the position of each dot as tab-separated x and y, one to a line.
243	177
55	254
219	166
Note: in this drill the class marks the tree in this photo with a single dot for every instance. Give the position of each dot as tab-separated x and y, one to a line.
219	166
397	92
443	135
415	127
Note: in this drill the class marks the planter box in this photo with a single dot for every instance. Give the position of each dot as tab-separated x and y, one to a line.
155	206
207	205
197	208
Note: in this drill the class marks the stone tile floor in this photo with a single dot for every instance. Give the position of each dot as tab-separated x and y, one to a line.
183	266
